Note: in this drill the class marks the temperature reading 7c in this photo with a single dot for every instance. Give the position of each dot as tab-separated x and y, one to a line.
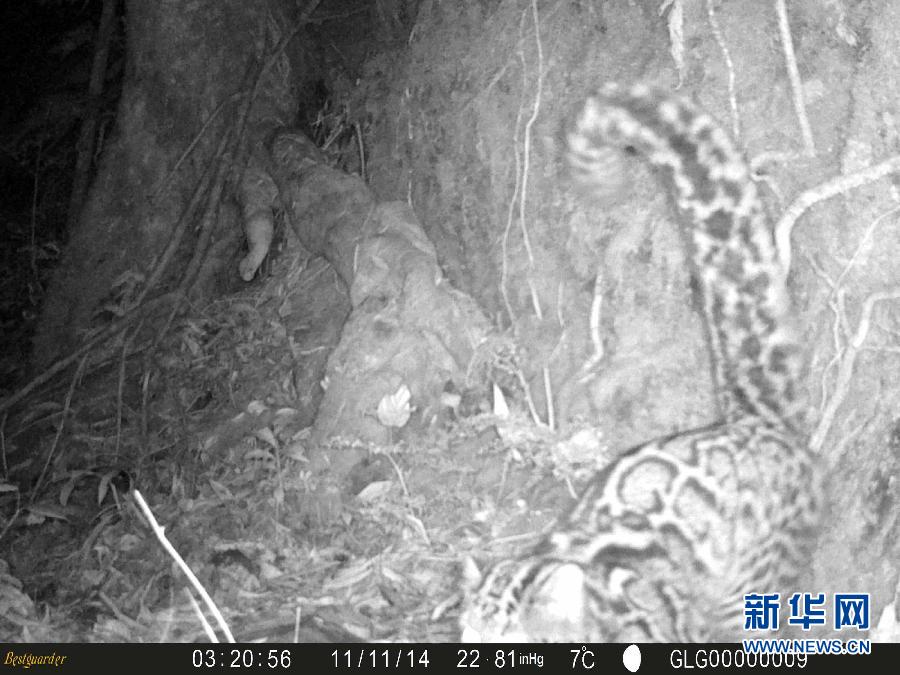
582	659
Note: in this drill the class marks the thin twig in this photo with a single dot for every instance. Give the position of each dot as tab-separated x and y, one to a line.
526	148
836	299
523	198
102	336
790	59
548	395
510	210
362	153
181	226
826	190
836	337
529	399
191	146
848	360
209	221
123	358
160	533
62	423
499	74
32	244
118	613
863	242
207	628
399	473
13	518
587	368
729	64
3	446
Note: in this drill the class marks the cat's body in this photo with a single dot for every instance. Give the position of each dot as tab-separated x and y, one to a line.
665	542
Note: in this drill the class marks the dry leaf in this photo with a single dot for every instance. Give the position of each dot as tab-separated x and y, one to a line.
394	409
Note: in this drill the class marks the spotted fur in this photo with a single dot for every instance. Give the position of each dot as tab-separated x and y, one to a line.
663	544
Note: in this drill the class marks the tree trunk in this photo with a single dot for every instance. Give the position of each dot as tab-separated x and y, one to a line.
186	60
87	136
